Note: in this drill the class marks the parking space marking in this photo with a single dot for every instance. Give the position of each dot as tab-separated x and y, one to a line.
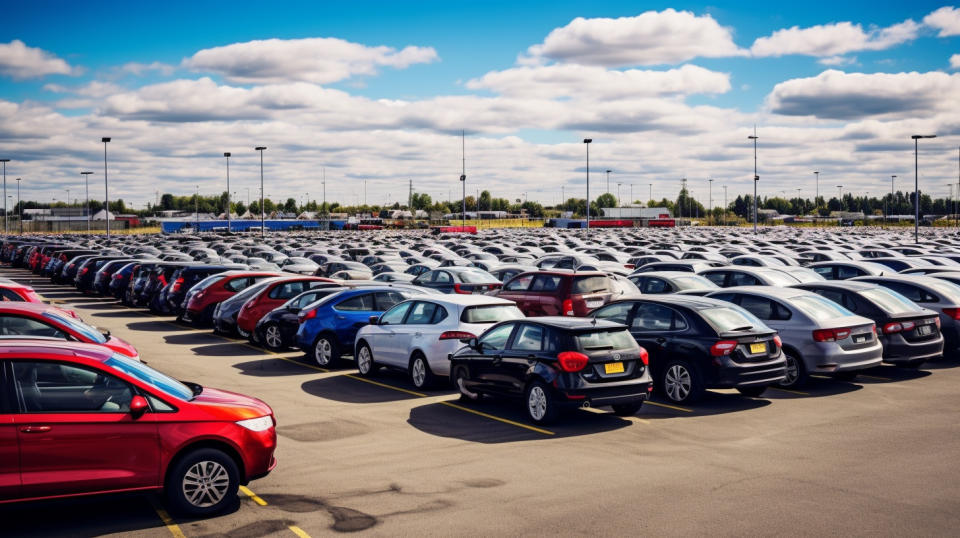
246	491
797	392
874	377
298	531
498	419
631	418
167	520
668	406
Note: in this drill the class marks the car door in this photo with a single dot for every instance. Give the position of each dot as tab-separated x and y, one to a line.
417	322
442	281
545	297
399	337
381	337
76	433
9	444
350	315
522	352
485	366
652	325
517	290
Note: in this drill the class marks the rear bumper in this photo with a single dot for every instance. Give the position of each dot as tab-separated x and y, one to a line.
601	394
730	374
829	357
897	349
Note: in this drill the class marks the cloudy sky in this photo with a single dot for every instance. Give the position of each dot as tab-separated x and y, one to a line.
376	94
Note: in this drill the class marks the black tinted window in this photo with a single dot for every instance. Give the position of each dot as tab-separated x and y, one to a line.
358	303
590	284
385	300
546	283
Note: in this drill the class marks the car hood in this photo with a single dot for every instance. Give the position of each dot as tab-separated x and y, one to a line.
123	347
228	405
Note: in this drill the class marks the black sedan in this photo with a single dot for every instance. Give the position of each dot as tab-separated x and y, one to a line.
555	363
277	330
465	280
697	343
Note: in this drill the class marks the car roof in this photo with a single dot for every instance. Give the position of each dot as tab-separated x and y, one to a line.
58	347
464	300
774	292
572	323
33	308
837	285
690	301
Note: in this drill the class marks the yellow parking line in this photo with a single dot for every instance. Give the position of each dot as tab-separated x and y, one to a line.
498	419
298	531
298	363
874	377
246	491
167	520
668	406
386	386
797	392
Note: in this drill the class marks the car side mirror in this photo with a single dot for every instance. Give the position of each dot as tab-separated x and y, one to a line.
474	343
374	320
138	406
104	332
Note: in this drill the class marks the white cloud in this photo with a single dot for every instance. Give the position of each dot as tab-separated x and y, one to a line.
139	69
318	60
833	39
651	38
19	61
597	82
845	96
945	19
837	60
955	61
93	89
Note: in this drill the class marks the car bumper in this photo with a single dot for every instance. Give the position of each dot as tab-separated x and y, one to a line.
829	358
731	374
586	394
897	349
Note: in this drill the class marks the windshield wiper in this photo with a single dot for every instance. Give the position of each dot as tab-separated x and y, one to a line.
597	347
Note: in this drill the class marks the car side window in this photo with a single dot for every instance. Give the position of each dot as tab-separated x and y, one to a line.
7	295
655	285
849	302
844	272
357	303
48	387
743	279
546	283
385	300
395	315
442	277
421	313
529	338
834	295
287	290
728	297
496	339
826	272
717	277
913	293
618	312
520	283
21	326
652	317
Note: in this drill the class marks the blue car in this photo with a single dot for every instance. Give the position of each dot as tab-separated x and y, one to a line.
329	327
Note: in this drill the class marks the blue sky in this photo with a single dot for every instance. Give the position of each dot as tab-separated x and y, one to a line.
785	92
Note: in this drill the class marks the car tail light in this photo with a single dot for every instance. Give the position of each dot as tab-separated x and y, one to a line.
117	276
572	361
162	279
457	335
461	291
723	347
873	329
644	357
176	285
830	335
777	340
85	269
892	328
952	312
908	325
309	314
936	321
567	307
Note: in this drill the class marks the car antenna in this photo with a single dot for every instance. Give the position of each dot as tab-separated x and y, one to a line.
594	322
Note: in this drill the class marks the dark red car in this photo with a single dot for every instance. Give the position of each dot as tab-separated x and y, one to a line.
204	297
557	293
16	292
77	419
273	296
33	320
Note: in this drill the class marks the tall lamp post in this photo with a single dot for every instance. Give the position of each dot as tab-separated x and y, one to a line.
650	186
710	202
724	205
916	185
608	181
263	226
19	207
86	185
756	178
106	186
587	141
226	154
4	161
618	194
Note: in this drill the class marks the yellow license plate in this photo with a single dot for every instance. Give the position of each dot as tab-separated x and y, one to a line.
613	367
758	348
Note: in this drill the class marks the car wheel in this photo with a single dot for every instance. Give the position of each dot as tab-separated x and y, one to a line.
752	392
846	376
272	337
627	409
796	373
681	383
461	374
326	351
202	483
365	364
419	371
541	403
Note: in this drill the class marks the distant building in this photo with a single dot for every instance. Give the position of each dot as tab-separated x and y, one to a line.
636	212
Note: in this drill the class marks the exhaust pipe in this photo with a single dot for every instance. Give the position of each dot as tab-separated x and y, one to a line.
585	404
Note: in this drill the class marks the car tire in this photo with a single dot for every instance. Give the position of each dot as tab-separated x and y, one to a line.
326	351
365	363
796	371
419	371
202	483
460	374
846	376
680	382
627	409
272	337
752	392
540	403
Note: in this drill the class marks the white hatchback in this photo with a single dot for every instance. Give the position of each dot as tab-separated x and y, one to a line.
419	334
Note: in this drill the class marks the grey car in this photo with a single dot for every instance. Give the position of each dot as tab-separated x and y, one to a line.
840	270
728	277
819	336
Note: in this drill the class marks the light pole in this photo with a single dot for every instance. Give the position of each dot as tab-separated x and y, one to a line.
587	141
650	185
608	181
463	181
19	207
226	154
817	192
618	194
86	184
263	226
724	205
710	202
683	186
756	178
4	161
196	210
106	186
916	185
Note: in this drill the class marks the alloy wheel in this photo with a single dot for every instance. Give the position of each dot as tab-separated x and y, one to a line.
205	484
537	403
323	352
418	372
272	337
364	360
677	383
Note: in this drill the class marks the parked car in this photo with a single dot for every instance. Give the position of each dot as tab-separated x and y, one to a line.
699	343
277	329
225	313
100	422
463	280
728	277
557	293
555	363
204	297
417	335
842	270
39	320
273	295
15	292
657	282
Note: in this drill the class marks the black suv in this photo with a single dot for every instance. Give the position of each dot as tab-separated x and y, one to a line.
555	363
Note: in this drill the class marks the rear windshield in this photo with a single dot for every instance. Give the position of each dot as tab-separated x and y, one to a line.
890	301
78	326
780	279
207	282
490	314
478	277
819	308
590	284
943	287
615	339
731	318
693	282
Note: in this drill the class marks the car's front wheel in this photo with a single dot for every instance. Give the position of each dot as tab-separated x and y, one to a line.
326	351
796	374
365	364
202	483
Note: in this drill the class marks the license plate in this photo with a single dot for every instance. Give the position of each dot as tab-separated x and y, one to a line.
924	330
859	339
613	368
758	348
594	304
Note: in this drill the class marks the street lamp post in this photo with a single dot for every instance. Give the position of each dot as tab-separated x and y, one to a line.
650	185
4	161
916	185
263	226
226	154
683	189
756	178
86	186
587	141
19	207
618	194
724	205
710	202
106	186
608	181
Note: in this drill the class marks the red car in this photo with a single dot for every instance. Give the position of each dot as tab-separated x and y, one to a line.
16	292
32	320
204	297
63	402
273	296
557	293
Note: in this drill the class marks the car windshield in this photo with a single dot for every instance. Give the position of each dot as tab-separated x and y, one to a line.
890	301
155	379
943	287
591	284
207	282
819	308
615	339
250	291
78	326
732	318
478	277
693	283
780	279
490	313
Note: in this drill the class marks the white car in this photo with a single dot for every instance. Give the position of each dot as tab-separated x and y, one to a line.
417	335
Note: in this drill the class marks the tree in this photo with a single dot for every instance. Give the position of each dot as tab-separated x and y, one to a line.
421	200
485	203
166	202
605	200
290	206
240	208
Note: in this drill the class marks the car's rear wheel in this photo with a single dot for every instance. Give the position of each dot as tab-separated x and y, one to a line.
627	409
681	383
326	351
272	337
542	407
752	392
365	364
796	373
461	374
202	483
419	371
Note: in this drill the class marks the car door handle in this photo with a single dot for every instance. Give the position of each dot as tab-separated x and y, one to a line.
661	340
497	358
35	429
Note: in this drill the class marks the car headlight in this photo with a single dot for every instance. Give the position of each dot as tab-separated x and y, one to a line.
257	424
